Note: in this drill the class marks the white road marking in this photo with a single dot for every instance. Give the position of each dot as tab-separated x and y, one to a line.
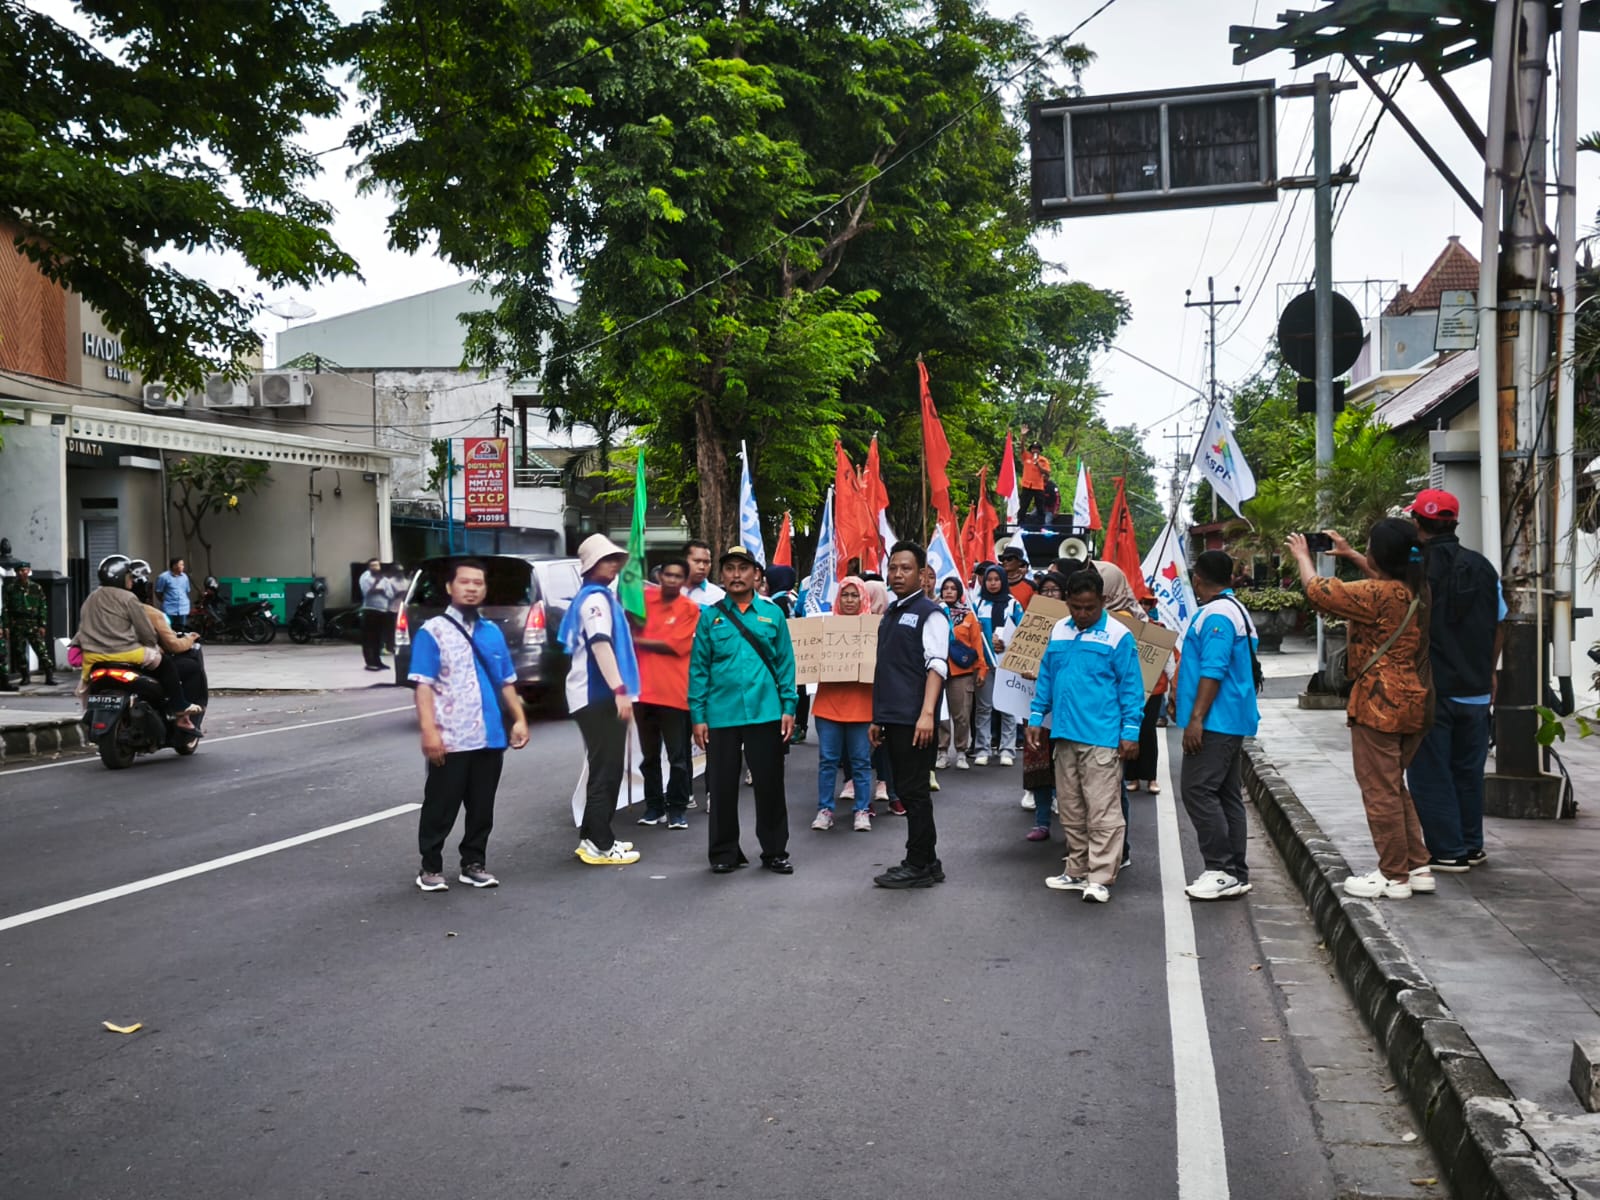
1202	1157
230	737
215	864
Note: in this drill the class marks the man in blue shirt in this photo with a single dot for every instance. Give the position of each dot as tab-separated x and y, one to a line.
1091	687
1216	708
464	674
172	589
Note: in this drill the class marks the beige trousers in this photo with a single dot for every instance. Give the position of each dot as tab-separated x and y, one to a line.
1089	803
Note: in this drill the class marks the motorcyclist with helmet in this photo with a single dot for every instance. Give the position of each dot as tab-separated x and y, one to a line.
182	648
113	627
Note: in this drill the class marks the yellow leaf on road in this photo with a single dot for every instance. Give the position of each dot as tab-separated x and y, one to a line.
134	1028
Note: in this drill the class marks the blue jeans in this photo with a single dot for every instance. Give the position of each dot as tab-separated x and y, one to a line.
1043	798
880	763
836	739
1446	779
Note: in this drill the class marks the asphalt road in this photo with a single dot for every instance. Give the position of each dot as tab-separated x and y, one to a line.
314	1027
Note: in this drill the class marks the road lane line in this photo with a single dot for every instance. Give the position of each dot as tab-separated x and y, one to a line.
227	737
1202	1157
215	864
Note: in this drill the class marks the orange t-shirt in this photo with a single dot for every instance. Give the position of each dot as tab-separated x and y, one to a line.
1033	468
848	703
664	674
1022	591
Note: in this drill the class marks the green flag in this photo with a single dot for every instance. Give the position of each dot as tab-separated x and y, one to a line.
630	585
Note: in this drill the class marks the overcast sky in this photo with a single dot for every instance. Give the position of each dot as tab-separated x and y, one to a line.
1396	222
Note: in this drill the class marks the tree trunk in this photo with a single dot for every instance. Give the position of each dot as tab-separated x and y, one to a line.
719	523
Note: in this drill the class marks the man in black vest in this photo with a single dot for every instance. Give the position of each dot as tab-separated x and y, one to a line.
1464	642
913	654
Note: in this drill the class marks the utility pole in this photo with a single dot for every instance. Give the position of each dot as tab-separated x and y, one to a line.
1180	468
1211	304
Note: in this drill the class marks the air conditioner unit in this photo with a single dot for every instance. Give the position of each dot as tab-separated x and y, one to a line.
223	392
283	389
158	395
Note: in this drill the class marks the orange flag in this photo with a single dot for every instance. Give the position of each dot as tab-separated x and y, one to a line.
1122	547
782	555
855	533
877	500
936	456
987	523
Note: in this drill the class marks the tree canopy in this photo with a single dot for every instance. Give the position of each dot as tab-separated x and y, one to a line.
173	127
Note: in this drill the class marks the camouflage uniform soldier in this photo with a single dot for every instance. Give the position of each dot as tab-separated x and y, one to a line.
5	643
26	610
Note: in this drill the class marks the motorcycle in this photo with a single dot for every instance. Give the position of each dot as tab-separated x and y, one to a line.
125	716
250	620
341	623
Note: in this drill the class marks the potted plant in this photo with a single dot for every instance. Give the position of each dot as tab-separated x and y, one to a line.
1274	611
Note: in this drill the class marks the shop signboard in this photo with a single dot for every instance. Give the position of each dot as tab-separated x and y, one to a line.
486	477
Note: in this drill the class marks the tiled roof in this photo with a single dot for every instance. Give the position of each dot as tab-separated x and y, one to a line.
1455	270
1443	387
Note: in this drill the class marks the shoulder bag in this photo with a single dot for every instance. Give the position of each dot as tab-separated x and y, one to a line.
732	614
1255	663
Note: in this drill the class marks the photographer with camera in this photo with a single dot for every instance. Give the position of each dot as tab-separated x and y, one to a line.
1391	702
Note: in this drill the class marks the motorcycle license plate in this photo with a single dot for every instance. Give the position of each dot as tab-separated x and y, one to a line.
103	712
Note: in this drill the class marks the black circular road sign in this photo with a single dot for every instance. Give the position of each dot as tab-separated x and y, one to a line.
1297	334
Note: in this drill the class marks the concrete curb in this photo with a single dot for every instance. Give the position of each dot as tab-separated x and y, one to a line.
1463	1107
29	739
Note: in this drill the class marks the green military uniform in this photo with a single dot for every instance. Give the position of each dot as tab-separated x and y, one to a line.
26	613
5	642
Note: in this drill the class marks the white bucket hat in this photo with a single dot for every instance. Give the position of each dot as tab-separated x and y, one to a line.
596	547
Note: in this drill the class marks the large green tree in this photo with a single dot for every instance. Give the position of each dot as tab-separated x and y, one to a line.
767	215
171	127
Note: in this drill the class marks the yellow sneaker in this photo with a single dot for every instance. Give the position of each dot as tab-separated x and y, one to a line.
620	854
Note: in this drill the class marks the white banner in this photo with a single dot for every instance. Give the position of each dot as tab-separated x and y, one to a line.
1166	570
632	789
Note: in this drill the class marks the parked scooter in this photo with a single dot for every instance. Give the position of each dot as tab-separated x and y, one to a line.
250	620
125	716
343	623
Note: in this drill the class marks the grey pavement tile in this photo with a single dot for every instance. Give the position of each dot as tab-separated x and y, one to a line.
1367	1124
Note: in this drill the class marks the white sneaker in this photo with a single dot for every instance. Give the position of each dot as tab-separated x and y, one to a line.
1096	893
1066	883
981	759
863	821
1376	886
1028	801
943	763
824	821
933	781
620	854
1215	885
1007	760
962	764
1423	882
880	791
848	791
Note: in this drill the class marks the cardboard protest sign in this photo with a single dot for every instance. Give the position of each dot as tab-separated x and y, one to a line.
1027	646
1155	644
1013	694
834	649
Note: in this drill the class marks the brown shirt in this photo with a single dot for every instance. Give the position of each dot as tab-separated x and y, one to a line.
1392	697
112	621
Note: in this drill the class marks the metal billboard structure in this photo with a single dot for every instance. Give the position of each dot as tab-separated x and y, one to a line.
1143	151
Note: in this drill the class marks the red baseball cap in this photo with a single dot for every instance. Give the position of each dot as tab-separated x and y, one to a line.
1436	503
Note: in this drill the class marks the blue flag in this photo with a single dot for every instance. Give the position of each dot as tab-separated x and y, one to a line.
749	519
819	598
942	561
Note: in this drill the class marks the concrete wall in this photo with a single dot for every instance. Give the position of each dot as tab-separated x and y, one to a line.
413	331
270	532
33	493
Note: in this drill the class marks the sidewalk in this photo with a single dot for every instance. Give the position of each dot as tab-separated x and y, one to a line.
1512	948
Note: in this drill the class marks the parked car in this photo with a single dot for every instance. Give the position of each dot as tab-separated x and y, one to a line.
527	598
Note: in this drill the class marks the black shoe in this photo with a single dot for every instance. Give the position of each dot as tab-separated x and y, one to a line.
1476	858
937	869
779	866
376	667
725	868
1451	866
6	685
904	876
49	679
27	679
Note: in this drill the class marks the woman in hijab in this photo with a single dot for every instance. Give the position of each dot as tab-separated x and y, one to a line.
999	615
844	712
955	737
1119	595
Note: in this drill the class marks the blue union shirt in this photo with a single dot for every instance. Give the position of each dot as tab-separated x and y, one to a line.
466	701
1218	645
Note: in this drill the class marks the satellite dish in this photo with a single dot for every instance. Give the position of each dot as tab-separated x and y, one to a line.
1074	548
291	309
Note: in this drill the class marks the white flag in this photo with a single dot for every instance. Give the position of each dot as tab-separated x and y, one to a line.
749	519
1222	463
1080	499
1166	570
941	559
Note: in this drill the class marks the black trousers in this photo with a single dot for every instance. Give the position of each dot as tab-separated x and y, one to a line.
605	742
467	778
1031	498
662	726
191	669
1144	767
912	766
726	754
1214	799
374	626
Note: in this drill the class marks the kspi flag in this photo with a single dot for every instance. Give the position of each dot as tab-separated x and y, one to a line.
749	519
819	597
1222	463
1166	570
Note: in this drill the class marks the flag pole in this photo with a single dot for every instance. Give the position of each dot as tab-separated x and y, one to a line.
922	421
